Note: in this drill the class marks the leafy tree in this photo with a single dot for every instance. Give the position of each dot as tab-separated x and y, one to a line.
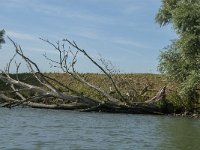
181	60
2	32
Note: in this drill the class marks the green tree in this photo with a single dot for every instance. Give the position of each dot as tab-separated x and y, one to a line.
181	60
2	32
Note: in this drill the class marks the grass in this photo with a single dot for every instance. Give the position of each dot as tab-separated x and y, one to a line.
133	84
127	83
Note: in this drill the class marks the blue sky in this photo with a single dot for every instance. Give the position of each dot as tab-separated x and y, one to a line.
122	31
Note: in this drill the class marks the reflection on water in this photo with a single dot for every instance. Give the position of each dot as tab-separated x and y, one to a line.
35	129
183	134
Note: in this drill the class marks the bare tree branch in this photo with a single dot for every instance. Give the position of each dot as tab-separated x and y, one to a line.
48	88
94	62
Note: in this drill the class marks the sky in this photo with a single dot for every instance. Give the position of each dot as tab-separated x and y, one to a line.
122	31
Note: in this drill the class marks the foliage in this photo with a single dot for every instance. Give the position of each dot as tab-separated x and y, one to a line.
181	60
2	32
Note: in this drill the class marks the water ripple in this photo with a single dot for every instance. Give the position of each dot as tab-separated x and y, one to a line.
36	129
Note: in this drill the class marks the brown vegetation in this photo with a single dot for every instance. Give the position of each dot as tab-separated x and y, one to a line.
107	92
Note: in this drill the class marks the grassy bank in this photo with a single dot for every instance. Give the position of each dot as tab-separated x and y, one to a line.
133	84
135	87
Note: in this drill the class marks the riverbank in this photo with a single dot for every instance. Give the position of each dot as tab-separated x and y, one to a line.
136	88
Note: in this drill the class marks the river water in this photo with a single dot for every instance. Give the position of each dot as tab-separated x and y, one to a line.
37	129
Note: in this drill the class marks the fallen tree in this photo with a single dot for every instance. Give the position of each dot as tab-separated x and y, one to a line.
47	94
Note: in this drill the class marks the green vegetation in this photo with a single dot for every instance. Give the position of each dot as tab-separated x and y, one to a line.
181	60
133	84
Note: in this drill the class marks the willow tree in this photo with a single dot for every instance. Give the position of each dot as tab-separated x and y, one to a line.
181	60
2	32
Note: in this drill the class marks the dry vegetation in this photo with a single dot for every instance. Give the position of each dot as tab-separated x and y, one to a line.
133	84
137	87
108	91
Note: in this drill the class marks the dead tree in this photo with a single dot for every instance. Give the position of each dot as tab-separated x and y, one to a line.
58	100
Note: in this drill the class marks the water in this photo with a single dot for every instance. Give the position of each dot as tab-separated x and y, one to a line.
36	129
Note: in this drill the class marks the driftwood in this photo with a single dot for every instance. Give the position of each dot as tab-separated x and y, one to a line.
159	96
73	100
